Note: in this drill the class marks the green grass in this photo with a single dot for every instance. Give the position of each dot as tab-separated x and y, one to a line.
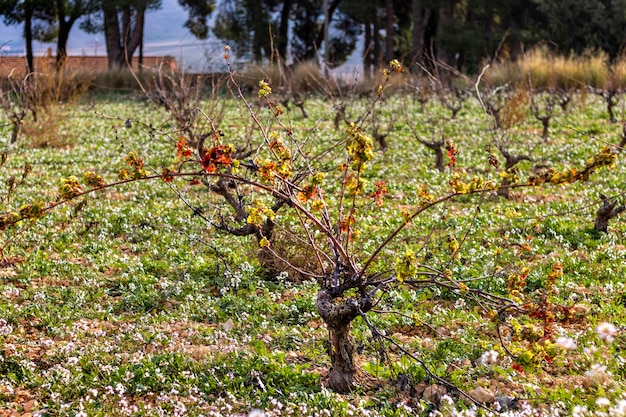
131	305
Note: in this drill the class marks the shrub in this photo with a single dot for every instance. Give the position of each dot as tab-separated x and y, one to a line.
319	195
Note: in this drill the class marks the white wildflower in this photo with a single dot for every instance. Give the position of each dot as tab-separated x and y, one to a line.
590	351
619	410
12	292
596	368
603	402
256	413
579	411
566	343
447	399
246	267
180	409
119	388
5	328
606	331
283	277
490	357
597	375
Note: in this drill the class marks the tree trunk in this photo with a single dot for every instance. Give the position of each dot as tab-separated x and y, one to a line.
64	33
112	38
122	42
338	318
66	17
136	35
320	39
140	57
610	105
341	376
420	17
439	159
605	213
15	132
367	52
389	32
511	161
283	30
28	37
437	148
504	190
546	128
125	36
376	37
446	14
260	27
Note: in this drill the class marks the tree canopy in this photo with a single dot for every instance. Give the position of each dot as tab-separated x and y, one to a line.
579	25
199	11
460	33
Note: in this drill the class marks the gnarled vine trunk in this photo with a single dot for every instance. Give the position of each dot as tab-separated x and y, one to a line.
338	318
343	370
606	212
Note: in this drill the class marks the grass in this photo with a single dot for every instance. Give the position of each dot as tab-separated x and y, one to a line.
543	69
129	304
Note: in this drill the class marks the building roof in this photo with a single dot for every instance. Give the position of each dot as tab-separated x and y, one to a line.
16	65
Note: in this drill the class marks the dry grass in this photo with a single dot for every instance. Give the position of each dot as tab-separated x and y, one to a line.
537	69
596	69
542	69
568	72
125	81
306	76
36	99
515	112
44	133
303	77
501	73
291	254
118	80
50	88
618	73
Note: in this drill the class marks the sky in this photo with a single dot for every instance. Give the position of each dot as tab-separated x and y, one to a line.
164	34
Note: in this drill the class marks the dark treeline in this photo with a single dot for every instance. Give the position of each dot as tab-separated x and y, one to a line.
460	33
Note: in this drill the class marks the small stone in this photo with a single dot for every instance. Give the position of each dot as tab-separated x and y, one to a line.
580	309
228	326
482	395
28	406
433	393
314	324
418	390
506	403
